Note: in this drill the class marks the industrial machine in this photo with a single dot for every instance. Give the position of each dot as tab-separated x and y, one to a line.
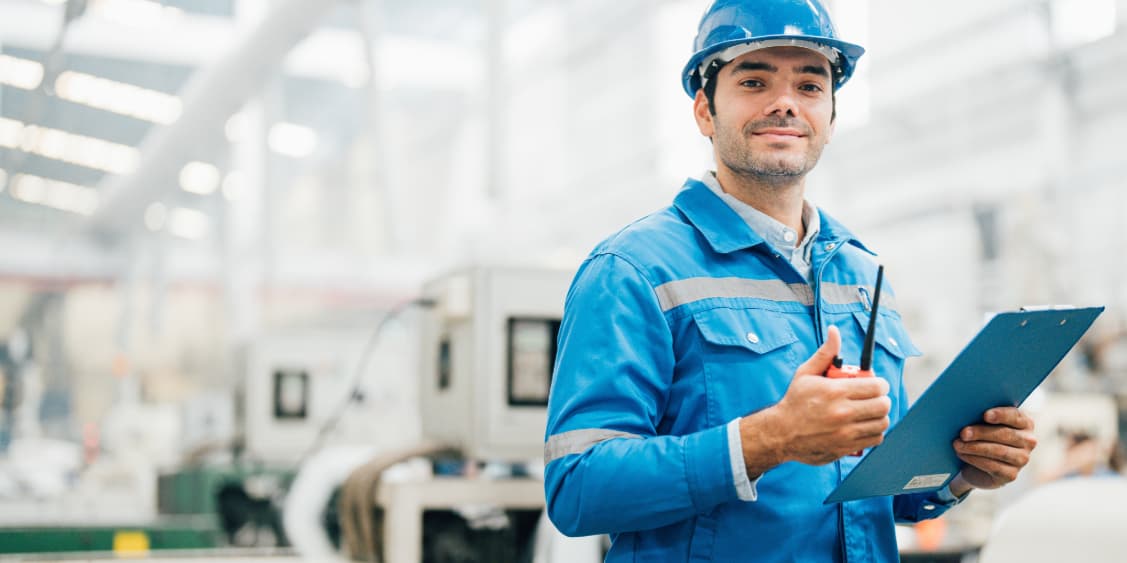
311	387
459	375
488	350
304	389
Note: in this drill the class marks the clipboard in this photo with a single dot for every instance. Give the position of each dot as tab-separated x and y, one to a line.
1001	366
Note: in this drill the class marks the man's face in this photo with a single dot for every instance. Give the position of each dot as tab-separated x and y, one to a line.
773	113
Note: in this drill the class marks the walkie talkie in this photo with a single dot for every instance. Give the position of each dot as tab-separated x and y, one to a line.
838	370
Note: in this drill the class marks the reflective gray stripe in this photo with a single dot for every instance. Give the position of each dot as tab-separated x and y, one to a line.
836	294
675	293
577	442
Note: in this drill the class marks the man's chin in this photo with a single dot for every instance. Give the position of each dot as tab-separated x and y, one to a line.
780	168
769	174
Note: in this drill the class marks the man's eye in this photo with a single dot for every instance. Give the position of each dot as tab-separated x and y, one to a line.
751	83
811	88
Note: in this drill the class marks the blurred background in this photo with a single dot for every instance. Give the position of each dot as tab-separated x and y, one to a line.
237	238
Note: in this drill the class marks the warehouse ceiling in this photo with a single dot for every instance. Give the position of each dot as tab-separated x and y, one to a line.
81	103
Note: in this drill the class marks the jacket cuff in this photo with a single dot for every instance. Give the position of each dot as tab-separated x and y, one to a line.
708	468
745	488
947	499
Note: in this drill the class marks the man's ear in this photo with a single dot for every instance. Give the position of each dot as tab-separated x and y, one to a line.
703	114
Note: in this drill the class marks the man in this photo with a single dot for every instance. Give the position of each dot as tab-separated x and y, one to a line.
689	417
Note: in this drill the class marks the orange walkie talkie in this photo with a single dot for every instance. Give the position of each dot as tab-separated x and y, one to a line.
838	370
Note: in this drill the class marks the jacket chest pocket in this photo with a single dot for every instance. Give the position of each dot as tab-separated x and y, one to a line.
748	358
890	338
892	348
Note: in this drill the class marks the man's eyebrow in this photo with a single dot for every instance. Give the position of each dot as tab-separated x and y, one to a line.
746	66
749	66
814	69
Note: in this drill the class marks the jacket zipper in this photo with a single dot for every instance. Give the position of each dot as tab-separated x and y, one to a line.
818	332
821	337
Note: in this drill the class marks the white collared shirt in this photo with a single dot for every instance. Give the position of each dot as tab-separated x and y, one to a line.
782	238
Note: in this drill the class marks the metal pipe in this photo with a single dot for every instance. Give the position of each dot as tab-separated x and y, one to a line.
211	97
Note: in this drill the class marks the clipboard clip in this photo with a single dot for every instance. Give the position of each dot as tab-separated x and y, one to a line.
1029	308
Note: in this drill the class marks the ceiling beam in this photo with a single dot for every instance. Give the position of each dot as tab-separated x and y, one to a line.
326	54
210	98
189	40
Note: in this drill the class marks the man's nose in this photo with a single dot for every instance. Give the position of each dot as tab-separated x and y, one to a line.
783	104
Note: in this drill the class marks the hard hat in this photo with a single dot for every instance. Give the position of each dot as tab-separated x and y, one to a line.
731	28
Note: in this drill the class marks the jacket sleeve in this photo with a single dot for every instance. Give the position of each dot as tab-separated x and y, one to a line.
606	468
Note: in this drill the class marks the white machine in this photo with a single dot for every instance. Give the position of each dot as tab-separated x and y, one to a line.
488	350
1078	519
299	381
485	356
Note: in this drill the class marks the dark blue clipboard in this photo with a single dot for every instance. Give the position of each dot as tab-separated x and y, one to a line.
1001	366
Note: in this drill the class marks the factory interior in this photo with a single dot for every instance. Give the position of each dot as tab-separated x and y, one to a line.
282	280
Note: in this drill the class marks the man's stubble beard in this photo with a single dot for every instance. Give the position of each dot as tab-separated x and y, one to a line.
735	153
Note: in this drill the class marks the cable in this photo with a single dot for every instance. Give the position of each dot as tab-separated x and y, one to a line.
354	392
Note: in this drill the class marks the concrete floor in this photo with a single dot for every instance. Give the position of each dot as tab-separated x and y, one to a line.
169	556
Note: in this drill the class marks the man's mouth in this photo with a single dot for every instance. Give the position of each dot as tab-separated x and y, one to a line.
778	134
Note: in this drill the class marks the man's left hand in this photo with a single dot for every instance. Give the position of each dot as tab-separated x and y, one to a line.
994	451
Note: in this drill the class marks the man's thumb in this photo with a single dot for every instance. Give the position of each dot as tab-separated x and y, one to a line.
824	356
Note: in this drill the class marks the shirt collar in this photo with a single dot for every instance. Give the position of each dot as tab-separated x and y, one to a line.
721	226
727	232
775	233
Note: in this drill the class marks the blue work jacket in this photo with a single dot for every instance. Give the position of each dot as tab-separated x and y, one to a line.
675	326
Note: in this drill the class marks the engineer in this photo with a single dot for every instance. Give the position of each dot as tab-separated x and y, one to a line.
688	416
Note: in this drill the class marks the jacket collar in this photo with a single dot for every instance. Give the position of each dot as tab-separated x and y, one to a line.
726	232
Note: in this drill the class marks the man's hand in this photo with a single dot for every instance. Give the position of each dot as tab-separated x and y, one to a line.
995	451
819	419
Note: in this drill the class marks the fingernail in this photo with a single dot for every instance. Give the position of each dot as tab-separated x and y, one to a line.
968	434
991	416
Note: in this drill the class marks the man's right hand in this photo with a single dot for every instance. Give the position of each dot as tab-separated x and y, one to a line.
819	419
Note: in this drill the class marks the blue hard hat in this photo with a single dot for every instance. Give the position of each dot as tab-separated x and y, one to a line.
804	23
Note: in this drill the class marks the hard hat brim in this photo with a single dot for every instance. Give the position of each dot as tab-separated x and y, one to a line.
849	53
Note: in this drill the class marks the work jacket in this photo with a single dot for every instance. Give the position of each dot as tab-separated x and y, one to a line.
680	323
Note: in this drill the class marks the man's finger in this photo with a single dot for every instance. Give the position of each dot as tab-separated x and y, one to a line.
868	409
999	434
824	356
1007	455
861	388
992	467
1008	416
866	431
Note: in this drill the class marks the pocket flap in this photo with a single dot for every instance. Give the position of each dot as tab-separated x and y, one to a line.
890	335
747	328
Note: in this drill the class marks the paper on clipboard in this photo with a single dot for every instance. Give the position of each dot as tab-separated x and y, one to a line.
1002	365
